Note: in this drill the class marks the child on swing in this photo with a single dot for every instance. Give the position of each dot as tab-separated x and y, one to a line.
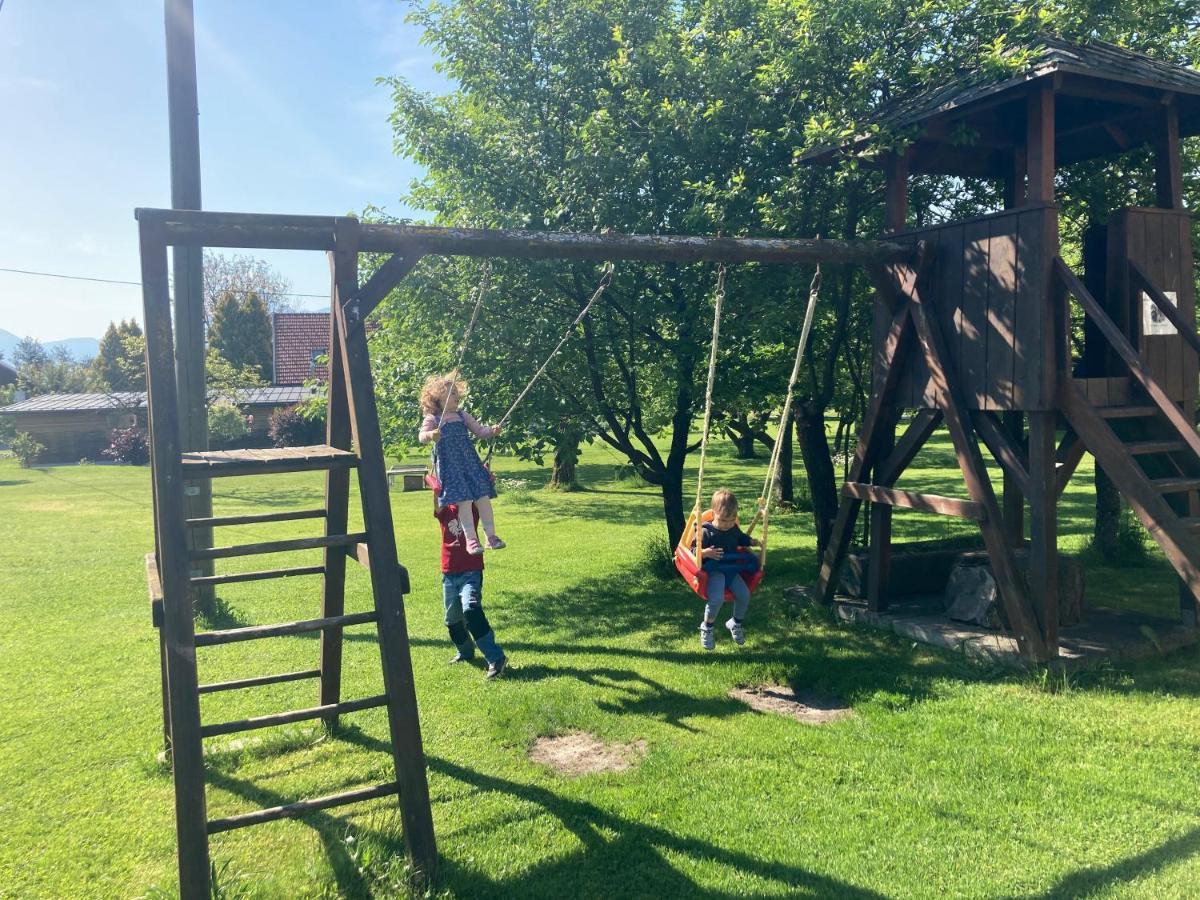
464	480
725	558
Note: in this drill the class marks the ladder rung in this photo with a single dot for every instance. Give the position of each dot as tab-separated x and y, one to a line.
216	521
235	577
1191	523
1127	412
256	682
296	715
1145	448
1175	485
310	543
291	810
254	632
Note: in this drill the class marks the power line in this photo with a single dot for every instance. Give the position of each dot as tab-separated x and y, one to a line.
138	283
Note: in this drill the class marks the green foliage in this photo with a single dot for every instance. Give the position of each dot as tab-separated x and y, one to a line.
226	423
240	332
225	381
27	449
44	372
120	364
291	427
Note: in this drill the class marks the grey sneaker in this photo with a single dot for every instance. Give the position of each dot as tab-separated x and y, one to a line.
707	640
736	631
496	669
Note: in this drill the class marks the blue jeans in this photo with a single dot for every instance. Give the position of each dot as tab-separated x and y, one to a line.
717	583
462	593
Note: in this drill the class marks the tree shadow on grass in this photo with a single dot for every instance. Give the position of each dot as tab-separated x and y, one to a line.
14	482
619	857
1087	882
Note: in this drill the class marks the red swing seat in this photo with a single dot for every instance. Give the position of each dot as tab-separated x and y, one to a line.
693	574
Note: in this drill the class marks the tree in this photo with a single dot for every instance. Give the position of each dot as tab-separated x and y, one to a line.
42	372
242	275
120	364
240	332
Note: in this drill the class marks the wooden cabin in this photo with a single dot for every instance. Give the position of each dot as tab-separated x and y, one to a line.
976	334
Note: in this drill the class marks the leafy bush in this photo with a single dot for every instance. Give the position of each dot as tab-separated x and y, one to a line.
26	449
657	556
293	427
226	423
129	446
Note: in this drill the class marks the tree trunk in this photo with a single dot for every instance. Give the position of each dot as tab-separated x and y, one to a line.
738	430
818	466
566	456
1108	515
673	503
784	483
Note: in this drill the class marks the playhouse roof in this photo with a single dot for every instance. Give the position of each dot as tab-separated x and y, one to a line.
1107	96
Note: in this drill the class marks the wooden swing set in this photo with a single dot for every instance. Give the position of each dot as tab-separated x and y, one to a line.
352	444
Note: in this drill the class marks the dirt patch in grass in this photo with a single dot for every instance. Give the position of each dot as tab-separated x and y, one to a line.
805	706
580	753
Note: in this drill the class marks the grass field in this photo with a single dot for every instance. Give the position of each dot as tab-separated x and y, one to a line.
948	780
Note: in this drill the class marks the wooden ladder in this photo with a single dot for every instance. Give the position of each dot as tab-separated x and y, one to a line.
1147	446
173	576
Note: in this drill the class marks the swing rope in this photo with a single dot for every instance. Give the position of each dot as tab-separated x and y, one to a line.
764	500
480	292
718	303
605	281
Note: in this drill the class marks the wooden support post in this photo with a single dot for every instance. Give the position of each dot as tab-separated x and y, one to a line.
184	126
1043	524
343	285
389	581
1014	180
178	628
895	215
879	561
1039	142
1014	501
1168	169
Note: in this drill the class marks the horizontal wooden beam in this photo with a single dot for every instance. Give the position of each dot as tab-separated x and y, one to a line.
256	632
930	503
261	680
239	577
301	807
257	518
215	229
296	715
309	543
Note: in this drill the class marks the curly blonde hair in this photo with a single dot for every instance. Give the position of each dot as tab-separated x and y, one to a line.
437	388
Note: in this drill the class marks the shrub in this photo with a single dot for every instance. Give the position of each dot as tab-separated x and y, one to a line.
129	446
26	449
226	423
291	427
657	556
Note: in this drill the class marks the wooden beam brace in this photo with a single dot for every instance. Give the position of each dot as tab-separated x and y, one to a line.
378	286
999	443
930	503
1008	580
923	424
1070	454
1141	281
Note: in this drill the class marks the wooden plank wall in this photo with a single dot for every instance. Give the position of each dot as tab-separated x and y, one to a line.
1160	241
988	288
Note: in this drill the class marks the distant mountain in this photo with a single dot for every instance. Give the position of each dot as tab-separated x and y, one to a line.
83	348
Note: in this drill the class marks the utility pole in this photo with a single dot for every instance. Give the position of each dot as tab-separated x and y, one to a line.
184	115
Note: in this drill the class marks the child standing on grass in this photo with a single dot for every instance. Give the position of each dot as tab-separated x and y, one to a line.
462	591
465	483
725	558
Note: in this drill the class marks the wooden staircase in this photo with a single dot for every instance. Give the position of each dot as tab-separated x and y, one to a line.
1146	445
174	574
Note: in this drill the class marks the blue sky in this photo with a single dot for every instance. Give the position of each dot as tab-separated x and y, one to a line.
291	121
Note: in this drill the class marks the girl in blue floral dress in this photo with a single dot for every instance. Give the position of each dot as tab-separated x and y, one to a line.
464	479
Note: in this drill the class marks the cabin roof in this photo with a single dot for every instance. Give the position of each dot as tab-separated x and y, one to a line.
118	400
1095	61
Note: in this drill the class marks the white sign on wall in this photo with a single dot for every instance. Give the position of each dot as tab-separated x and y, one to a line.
1153	321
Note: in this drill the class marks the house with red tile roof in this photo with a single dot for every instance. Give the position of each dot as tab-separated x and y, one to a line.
299	340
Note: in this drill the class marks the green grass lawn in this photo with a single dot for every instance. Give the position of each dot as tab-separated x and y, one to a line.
948	780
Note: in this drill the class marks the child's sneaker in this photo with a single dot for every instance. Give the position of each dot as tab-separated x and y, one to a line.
736	631
707	640
494	543
496	669
461	657
474	548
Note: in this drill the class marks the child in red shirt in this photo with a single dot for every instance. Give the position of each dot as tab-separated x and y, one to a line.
462	592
